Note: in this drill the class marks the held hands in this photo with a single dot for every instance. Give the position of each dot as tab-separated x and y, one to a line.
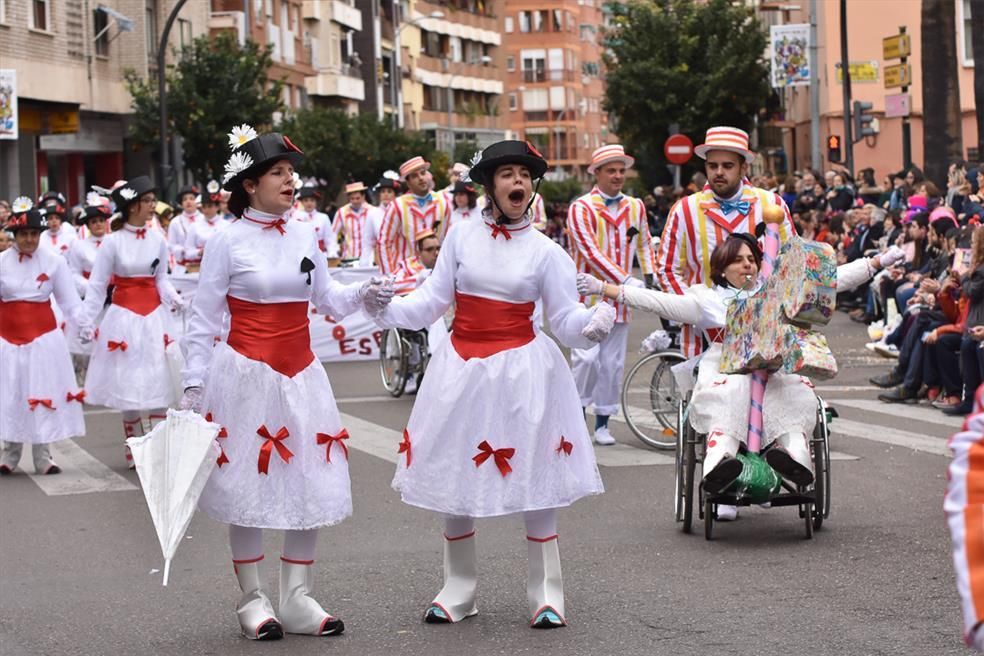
601	323
894	255
588	285
376	293
192	400
86	334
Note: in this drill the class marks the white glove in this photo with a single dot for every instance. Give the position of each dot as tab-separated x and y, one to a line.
588	285
177	304
376	293
634	282
601	323
86	334
192	400
891	257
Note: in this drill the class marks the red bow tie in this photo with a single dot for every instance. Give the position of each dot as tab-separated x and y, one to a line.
500	230
141	233
34	403
80	397
272	441
405	445
501	456
277	224
116	345
330	440
21	256
565	446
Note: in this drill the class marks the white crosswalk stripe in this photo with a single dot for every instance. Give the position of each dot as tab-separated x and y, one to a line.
81	473
893	436
928	415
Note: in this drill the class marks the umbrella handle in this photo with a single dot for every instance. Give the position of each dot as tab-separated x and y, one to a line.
167	569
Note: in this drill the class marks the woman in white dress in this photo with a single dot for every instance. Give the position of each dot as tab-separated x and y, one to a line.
40	403
128	370
204	228
465	204
284	461
497	427
719	405
81	258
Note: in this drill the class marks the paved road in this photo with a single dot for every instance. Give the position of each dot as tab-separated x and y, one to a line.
79	557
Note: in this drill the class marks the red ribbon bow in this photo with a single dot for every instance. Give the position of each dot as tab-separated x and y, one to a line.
34	403
222	431
80	397
278	225
502	456
116	345
405	445
272	441
324	438
21	256
141	233
167	340
222	459
500	230
565	446
43	278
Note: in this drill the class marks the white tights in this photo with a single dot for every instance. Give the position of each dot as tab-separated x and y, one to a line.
539	524
246	543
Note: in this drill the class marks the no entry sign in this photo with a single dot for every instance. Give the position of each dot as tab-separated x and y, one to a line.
678	149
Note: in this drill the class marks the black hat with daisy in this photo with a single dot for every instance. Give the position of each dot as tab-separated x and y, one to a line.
250	151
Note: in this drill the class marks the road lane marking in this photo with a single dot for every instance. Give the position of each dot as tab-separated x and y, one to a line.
928	415
893	436
81	472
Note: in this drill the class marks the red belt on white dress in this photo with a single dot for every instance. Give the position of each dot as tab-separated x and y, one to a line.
22	322
274	333
484	327
137	294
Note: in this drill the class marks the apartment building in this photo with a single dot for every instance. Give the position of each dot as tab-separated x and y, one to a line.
376	49
554	83
68	59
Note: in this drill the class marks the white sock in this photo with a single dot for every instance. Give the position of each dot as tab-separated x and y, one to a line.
458	527
541	524
299	546
246	543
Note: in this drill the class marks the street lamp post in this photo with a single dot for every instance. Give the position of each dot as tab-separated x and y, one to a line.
162	94
399	55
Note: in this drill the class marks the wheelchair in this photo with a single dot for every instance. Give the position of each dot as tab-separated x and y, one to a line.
403	356
813	501
649	399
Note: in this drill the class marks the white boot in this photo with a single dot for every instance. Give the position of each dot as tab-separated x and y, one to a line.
10	456
456	600
603	437
256	617
43	463
790	457
299	612
545	584
721	467
131	429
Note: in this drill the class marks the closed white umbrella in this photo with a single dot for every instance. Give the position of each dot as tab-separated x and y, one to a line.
174	462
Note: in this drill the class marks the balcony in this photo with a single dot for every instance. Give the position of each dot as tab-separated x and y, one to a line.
336	84
340	12
532	75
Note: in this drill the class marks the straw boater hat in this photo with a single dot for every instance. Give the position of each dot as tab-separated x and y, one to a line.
251	151
725	138
130	192
606	154
506	152
354	187
411	165
24	216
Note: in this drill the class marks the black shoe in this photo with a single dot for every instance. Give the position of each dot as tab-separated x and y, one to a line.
271	630
436	615
52	470
891	379
898	395
332	626
721	477
5	470
785	466
864	317
959	410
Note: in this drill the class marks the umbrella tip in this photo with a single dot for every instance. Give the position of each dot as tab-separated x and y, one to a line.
167	570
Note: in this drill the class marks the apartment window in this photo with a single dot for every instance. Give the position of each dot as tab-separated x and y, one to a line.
100	21
3	11
150	27
41	15
269	9
558	20
513	102
184	33
510	63
534	65
508	24
524	21
539	21
454	46
966	33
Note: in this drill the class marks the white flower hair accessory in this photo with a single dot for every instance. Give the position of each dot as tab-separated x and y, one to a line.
298	183
238	163
212	187
21	204
391	175
475	160
127	193
240	136
95	198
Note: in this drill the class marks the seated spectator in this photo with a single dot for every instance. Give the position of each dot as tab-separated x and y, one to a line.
840	197
868	190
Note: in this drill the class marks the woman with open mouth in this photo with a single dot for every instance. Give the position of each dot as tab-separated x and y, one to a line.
497	427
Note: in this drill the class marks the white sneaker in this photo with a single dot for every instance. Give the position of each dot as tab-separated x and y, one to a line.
887	350
603	437
871	346
726	513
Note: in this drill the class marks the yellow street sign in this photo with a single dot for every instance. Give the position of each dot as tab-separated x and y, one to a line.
895	47
898	76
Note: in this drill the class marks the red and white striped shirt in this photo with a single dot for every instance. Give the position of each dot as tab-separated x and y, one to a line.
349	225
404	219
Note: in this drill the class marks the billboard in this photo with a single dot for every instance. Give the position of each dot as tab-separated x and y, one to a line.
790	45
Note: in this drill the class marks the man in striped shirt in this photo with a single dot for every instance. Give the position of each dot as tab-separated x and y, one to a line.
697	223
350	221
608	229
416	211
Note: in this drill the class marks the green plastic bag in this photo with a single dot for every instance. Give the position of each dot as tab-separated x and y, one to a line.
758	481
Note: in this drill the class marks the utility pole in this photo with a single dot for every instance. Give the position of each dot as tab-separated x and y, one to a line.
906	133
846	76
815	162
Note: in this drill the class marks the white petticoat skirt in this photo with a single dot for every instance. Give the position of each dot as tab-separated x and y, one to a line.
721	401
136	378
523	399
308	491
39	370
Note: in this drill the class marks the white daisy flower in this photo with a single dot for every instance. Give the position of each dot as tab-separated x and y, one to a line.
241	135
476	158
21	204
93	198
237	163
391	175
127	193
298	183
212	187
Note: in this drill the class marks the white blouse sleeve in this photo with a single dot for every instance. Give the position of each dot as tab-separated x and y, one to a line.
75	266
64	290
176	238
426	304
329	296
190	248
207	312
102	271
165	289
854	274
683	308
558	288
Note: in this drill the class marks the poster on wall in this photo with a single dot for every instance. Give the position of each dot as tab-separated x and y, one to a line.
8	103
790	55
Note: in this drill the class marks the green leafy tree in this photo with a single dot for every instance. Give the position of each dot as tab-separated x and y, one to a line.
692	63
215	84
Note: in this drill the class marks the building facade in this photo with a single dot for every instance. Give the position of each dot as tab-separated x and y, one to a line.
554	79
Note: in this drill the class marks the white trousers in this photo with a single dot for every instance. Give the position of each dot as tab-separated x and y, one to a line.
598	371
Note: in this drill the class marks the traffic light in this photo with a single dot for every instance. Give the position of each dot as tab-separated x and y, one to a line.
862	120
834	148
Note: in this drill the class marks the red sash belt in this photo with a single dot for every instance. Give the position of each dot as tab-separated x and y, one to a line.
21	322
138	295
483	327
274	333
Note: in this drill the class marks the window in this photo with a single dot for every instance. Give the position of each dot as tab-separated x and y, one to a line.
558	20
966	33
508	25
510	63
3	11
513	102
150	27
524	21
454	46
100	23
184	33
41	15
538	21
534	65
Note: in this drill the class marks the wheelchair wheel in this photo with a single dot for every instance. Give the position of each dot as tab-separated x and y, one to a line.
649	399
821	467
708	520
808	520
393	361
686	440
